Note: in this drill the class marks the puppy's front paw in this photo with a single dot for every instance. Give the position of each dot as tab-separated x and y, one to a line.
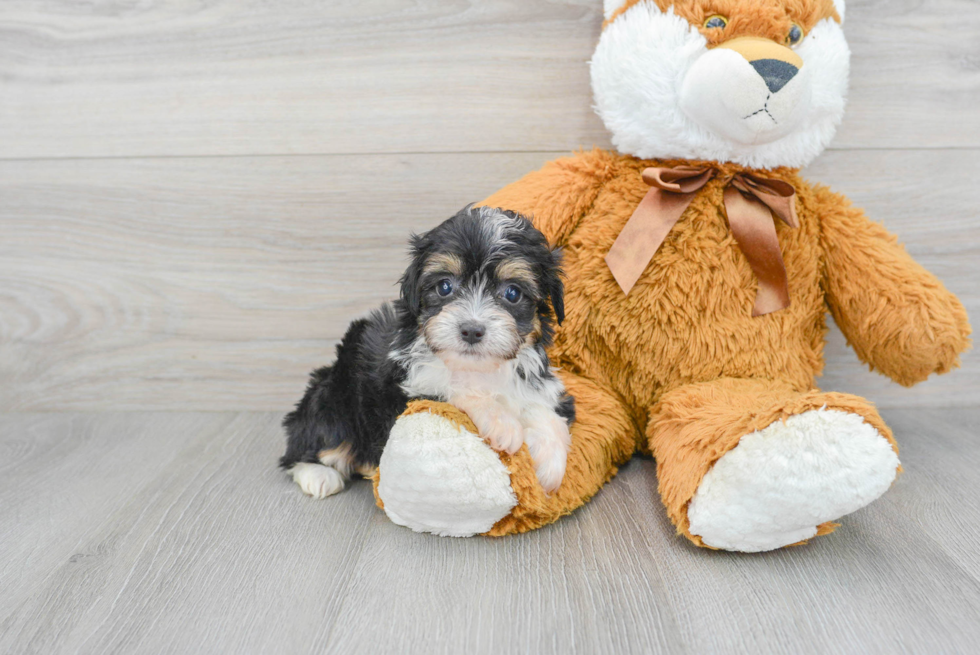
548	442
503	432
499	427
551	470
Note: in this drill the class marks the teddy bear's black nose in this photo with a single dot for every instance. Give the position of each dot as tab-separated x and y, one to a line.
776	73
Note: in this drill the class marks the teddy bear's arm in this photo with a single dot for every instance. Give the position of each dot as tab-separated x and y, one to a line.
556	196
898	317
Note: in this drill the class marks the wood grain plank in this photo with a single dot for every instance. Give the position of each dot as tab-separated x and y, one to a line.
939	486
211	282
219	552
218	283
879	584
66	475
220	77
923	197
216	551
583	585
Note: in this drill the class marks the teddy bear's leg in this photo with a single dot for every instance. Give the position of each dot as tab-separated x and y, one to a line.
437	475
752	465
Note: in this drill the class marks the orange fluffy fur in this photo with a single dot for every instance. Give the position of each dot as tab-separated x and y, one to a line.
680	368
769	19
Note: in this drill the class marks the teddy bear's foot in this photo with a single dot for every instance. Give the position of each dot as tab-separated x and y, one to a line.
781	483
438	476
754	465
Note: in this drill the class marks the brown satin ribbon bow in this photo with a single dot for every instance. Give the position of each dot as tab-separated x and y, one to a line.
750	202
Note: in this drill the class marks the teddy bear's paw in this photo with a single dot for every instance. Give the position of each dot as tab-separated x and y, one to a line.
779	484
438	477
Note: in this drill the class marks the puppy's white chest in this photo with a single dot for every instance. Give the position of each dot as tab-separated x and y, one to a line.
435	377
493	383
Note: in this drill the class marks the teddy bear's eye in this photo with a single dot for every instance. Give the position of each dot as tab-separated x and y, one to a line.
716	22
795	35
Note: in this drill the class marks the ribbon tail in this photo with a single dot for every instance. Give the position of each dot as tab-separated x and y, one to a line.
754	228
643	235
783	207
778	195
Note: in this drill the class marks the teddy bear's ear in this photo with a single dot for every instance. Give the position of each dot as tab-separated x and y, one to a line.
609	7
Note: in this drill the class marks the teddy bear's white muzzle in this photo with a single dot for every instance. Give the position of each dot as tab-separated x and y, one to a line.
748	103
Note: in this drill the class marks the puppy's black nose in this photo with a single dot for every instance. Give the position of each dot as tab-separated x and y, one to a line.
776	73
472	332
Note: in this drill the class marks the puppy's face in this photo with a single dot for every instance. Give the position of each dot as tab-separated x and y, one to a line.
480	285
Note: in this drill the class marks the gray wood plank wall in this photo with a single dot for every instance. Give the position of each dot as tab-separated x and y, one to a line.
196	197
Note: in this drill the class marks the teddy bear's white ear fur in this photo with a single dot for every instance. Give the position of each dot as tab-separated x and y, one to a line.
839	5
610	6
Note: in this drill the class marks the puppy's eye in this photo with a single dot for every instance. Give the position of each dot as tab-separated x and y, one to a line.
795	35
716	21
512	294
444	287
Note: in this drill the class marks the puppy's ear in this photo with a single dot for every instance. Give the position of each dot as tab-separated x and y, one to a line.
555	286
411	293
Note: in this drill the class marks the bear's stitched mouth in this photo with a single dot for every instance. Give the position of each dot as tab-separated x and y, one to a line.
765	108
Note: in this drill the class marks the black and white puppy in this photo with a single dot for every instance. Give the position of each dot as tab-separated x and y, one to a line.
470	328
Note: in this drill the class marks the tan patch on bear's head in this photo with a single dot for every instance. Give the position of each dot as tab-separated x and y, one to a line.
768	19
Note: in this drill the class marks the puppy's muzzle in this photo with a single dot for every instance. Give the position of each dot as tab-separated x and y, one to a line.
472	332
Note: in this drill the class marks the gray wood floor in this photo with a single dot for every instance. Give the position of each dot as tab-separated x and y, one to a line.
196	196
174	533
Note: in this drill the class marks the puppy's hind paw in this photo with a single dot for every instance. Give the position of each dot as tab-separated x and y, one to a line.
317	480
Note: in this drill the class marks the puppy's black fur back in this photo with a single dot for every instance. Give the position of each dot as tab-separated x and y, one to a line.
353	402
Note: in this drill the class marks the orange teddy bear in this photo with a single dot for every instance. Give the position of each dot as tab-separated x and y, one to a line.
700	269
